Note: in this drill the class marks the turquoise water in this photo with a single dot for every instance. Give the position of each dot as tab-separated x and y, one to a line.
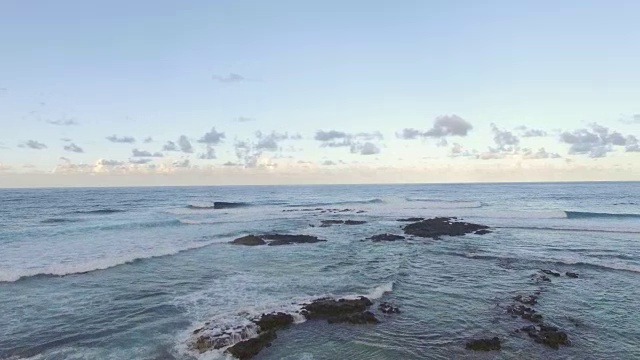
129	273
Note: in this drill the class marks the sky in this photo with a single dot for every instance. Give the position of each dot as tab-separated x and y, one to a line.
124	93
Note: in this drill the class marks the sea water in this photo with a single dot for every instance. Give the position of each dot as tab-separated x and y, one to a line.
130	273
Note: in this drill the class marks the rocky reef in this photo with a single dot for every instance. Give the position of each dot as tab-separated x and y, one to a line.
275	239
443	226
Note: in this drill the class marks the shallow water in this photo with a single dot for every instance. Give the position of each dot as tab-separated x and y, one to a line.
131	272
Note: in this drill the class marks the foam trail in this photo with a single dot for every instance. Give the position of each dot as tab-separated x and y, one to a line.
7	275
370	201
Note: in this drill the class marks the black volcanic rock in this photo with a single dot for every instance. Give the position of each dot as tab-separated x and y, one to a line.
482	232
527	300
388	308
547	335
484	344
441	226
332	222
361	318
551	272
274	321
411	219
385	237
277	239
249	240
249	348
328	308
571	274
354	222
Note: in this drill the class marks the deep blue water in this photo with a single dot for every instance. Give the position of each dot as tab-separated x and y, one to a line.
129	273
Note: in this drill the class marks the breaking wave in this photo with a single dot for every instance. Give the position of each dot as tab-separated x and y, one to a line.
59	270
370	201
588	215
98	212
448	204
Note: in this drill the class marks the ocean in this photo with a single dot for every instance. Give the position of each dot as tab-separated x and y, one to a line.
130	273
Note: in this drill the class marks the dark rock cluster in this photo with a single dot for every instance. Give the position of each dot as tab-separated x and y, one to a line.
276	239
385	237
484	344
443	226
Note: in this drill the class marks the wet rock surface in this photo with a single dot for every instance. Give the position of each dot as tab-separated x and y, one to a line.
327	223
547	335
250	240
249	348
327	308
441	226
482	232
484	344
274	321
551	272
385	237
411	219
388	308
572	274
275	239
359	318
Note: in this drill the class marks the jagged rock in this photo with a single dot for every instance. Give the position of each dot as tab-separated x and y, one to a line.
249	348
528	300
354	222
524	312
484	344
388	308
277	239
365	317
327	308
411	219
571	274
441	226
482	232
551	272
547	334
249	240
540	278
331	222
274	321
385	237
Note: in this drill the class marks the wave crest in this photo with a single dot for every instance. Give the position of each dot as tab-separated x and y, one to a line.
587	215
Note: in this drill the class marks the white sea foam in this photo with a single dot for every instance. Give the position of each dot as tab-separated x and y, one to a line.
12	275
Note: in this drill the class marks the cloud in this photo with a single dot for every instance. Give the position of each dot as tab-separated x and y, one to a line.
209	155
65	139
633	148
540	154
32	144
182	163
244	119
330	135
442	142
123	139
229	163
596	141
104	162
229	79
73	148
368	149
448	126
505	140
296	137
526	132
409	134
170	146
144	153
63	122
212	137
333	139
67	160
185	145
328	163
269	142
140	161
148	140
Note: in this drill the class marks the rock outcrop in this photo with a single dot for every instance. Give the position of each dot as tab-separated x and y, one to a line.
441	226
